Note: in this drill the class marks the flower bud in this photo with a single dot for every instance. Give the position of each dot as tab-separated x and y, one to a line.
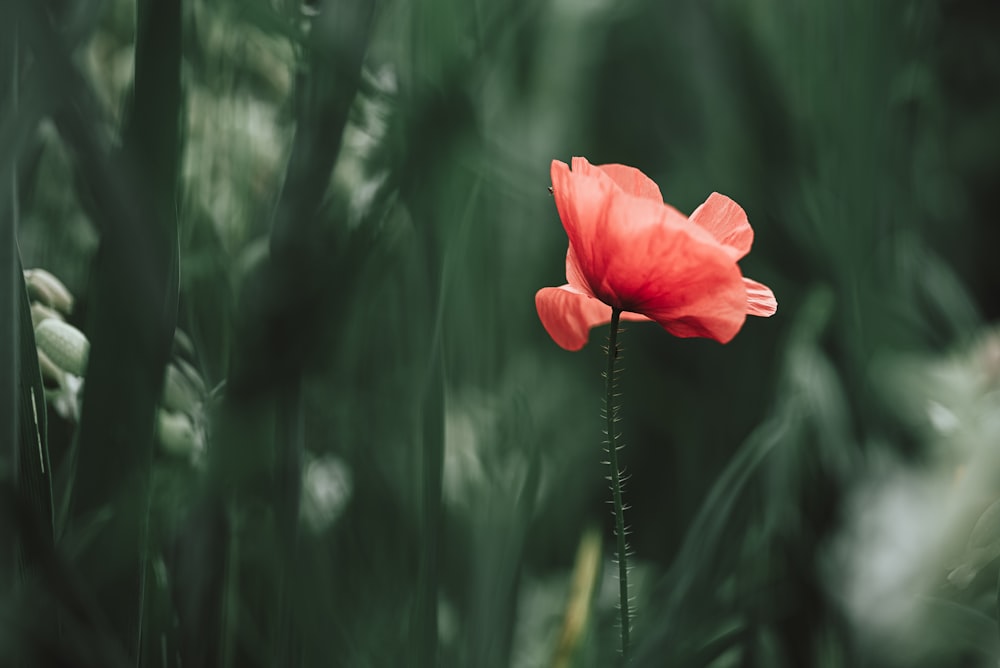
40	312
182	347
183	388
52	375
63	344
45	288
178	435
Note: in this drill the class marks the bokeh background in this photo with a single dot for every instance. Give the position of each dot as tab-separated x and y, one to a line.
383	460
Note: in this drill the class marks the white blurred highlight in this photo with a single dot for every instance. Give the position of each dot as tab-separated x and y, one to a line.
327	485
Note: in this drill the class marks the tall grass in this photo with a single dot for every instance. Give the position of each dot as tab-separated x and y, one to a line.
327	221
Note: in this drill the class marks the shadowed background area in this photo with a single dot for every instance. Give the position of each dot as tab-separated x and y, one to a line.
320	422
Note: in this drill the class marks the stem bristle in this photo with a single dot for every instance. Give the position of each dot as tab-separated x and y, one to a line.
611	413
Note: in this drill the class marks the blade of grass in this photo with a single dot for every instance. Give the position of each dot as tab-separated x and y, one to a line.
84	624
22	400
134	295
289	483
424	620
9	311
34	470
281	323
706	537
439	121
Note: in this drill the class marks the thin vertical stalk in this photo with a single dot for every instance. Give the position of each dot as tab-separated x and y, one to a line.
9	314
291	443
134	295
432	473
611	415
998	602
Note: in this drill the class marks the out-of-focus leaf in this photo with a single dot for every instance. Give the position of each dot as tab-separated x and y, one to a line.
983	547
131	324
24	460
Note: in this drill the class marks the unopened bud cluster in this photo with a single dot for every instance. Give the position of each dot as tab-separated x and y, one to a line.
63	353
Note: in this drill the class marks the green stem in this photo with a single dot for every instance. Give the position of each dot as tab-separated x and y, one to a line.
611	414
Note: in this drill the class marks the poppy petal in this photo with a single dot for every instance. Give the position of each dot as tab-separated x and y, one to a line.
568	315
760	299
629	250
720	327
727	222
574	274
632	181
653	261
582	199
706	302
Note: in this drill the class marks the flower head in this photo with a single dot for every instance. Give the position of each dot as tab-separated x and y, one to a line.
630	251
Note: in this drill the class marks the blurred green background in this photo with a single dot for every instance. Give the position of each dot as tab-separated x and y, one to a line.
383	460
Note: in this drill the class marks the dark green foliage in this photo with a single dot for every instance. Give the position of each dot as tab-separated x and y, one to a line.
342	206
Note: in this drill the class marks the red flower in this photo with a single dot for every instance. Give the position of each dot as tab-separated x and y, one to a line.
629	250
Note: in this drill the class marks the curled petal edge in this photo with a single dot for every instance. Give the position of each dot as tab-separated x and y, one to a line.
574	274
568	315
727	222
760	299
633	182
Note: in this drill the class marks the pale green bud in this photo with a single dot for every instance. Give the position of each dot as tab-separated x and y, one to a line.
178	435
182	388
64	344
41	312
46	289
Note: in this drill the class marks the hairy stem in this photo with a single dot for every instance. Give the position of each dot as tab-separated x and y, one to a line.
611	414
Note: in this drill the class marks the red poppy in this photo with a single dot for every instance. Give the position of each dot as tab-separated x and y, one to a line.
629	250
